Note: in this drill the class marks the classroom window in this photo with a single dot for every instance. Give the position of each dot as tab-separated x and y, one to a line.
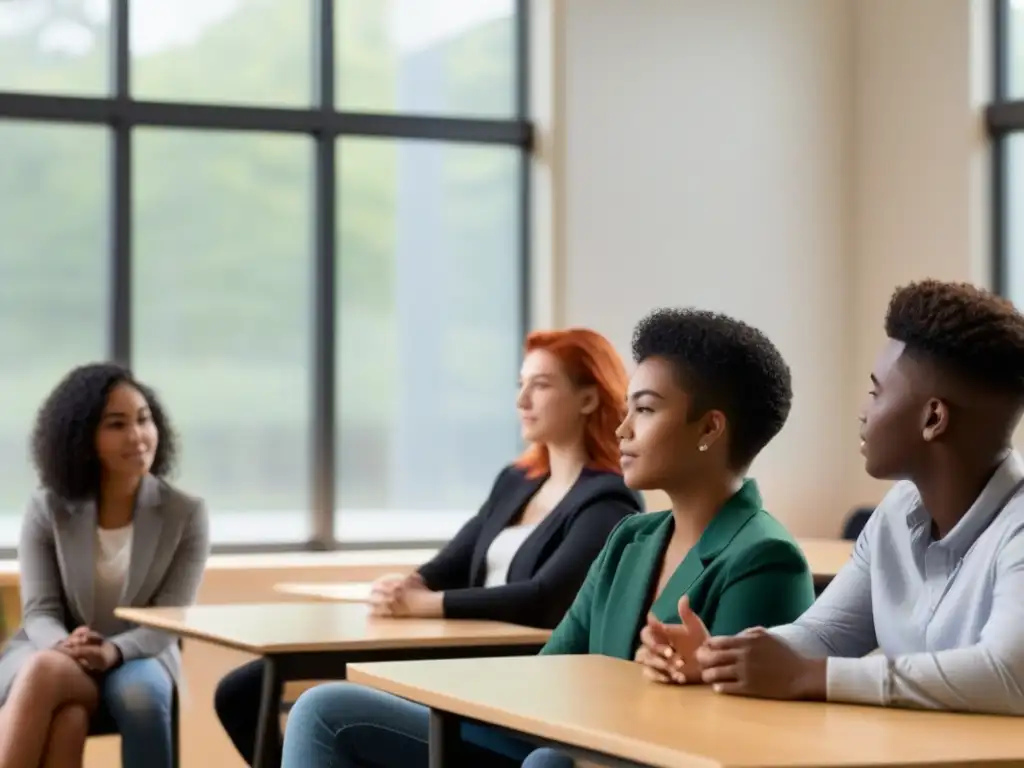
54	292
1005	119
428	313
302	221
222	283
441	57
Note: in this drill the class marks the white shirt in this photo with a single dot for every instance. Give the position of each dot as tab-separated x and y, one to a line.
501	552
947	615
113	556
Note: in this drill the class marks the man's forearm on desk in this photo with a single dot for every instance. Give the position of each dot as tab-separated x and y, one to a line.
960	680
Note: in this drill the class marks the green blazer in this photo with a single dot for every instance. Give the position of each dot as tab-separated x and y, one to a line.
745	571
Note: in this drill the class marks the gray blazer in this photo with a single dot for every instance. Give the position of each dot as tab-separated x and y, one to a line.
170	544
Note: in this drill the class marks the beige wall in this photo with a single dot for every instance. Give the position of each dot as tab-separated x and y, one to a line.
920	202
786	161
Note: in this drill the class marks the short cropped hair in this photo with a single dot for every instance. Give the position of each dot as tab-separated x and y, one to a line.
726	365
64	437
967	330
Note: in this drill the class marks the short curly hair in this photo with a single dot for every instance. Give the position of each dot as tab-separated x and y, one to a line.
967	330
726	365
64	436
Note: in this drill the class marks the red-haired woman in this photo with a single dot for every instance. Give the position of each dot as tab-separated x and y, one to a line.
523	557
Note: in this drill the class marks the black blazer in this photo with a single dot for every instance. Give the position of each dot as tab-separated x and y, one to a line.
548	569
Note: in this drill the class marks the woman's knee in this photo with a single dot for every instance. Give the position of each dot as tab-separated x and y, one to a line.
55	677
548	758
139	688
361	724
321	708
334	707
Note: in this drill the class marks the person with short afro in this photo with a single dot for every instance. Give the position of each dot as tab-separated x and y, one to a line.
708	394
104	530
937	574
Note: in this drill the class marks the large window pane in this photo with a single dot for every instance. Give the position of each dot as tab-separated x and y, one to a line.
428	333
1015	49
1014	220
54	273
238	51
54	47
453	57
222	289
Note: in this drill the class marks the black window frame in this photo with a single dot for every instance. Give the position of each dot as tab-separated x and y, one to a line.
324	124
1004	117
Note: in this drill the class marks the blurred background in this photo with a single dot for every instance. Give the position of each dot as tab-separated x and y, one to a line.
320	229
219	308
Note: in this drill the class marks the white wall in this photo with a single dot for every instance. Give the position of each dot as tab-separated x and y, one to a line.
785	161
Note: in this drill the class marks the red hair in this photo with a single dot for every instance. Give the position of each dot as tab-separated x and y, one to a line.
589	360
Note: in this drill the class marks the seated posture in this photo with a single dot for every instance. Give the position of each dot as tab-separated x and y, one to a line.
103	531
937	576
707	395
522	558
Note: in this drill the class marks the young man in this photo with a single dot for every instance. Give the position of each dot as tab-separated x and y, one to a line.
936	582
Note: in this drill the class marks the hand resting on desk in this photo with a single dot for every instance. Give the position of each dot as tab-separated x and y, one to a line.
668	651
398	596
755	663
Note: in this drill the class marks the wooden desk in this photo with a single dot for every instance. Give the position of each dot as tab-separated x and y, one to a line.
311	641
601	709
826	557
350	592
340	567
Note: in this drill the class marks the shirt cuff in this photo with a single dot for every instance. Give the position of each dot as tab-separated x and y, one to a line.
858	681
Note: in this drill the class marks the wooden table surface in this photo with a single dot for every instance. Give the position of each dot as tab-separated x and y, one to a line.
604	705
826	556
337	592
322	626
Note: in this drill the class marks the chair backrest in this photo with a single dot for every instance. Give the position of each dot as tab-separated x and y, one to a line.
855	522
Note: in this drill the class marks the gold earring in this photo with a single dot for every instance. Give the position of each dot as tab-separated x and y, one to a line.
702	447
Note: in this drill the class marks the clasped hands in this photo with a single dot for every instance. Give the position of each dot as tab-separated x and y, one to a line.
752	663
405	596
90	649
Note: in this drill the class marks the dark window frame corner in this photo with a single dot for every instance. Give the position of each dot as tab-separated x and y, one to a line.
325	124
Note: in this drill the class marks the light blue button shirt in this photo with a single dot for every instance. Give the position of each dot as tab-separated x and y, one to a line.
947	616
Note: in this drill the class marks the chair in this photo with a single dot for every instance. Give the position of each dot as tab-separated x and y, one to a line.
855	522
103	725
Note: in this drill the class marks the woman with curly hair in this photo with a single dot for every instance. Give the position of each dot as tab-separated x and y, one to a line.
104	530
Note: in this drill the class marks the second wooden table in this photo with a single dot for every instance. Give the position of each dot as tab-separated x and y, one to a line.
310	641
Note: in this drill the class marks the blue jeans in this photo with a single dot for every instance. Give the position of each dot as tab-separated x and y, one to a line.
135	700
342	725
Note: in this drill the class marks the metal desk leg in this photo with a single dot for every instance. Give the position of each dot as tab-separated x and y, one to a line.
444	740
268	731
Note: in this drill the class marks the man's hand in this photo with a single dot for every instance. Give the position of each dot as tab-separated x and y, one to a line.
755	663
668	651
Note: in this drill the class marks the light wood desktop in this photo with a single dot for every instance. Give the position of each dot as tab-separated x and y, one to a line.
602	708
314	641
351	592
824	556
